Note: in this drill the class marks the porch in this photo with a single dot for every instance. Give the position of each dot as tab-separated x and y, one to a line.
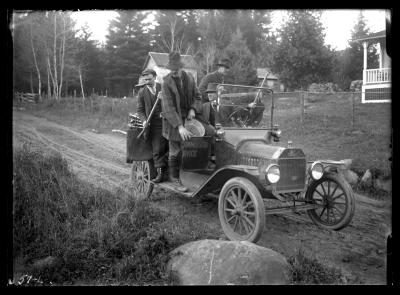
377	83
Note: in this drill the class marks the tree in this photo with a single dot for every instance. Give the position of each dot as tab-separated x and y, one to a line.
127	47
243	68
350	61
301	58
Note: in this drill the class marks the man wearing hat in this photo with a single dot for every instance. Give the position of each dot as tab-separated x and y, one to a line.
218	77
181	101
147	97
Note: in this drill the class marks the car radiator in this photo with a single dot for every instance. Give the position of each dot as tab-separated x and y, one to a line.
293	174
292	169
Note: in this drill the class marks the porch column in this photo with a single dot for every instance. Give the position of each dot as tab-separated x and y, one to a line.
365	45
380	55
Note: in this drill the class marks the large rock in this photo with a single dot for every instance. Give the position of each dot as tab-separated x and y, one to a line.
215	262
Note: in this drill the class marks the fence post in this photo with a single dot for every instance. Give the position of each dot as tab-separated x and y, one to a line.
91	104
302	107
106	92
352	110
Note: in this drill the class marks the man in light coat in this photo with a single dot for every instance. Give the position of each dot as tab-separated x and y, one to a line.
181	100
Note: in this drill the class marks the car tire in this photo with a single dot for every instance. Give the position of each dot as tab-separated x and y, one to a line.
241	210
337	202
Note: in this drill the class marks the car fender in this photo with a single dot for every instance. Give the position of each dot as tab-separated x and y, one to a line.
217	180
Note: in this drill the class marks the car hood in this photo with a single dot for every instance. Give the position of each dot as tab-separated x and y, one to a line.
236	136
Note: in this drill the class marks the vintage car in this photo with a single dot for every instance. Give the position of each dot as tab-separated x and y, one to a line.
251	168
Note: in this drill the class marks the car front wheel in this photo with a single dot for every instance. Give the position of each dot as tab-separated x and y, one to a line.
241	210
336	200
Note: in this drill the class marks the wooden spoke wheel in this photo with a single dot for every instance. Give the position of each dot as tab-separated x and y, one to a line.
241	210
140	177
337	202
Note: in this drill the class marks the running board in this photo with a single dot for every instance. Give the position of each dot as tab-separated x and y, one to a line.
290	209
173	187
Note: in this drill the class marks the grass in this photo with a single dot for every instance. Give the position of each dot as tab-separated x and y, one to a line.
91	233
305	270
327	131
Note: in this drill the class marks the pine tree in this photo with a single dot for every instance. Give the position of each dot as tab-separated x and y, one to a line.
301	58
350	61
243	69
127	47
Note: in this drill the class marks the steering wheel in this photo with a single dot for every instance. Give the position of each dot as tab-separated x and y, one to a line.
240	116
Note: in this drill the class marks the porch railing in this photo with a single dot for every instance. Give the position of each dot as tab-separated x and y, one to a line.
383	75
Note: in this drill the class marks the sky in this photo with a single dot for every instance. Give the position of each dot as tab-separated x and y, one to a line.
338	23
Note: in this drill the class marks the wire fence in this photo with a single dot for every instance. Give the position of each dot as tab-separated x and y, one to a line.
332	109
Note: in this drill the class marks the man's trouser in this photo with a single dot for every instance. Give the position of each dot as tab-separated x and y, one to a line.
159	145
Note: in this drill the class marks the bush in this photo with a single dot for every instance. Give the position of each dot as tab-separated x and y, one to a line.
356	85
325	87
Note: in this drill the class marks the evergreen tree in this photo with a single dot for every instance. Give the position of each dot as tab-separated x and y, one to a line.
127	47
350	61
301	58
243	69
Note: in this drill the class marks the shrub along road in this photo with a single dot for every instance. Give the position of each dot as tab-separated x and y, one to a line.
358	250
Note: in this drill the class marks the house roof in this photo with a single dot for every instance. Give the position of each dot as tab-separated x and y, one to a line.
262	72
161	60
372	36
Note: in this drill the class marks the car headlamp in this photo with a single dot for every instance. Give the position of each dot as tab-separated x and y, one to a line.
316	170
273	173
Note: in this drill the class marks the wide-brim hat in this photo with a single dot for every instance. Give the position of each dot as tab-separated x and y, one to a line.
224	62
212	88
141	82
149	72
195	127
174	61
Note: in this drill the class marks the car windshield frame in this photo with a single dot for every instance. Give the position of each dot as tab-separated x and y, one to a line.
257	89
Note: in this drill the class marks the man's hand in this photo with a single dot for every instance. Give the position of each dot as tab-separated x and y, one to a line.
145	123
184	133
191	114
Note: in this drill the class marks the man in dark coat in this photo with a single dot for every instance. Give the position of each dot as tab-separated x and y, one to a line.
217	77
181	100
147	97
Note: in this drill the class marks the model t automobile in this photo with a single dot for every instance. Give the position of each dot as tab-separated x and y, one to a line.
251	167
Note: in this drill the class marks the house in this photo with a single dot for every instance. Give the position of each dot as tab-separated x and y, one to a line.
377	83
158	62
271	80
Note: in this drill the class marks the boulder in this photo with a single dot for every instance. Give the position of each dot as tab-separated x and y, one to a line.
215	262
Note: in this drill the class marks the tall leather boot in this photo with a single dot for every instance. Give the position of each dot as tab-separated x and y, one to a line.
161	175
174	176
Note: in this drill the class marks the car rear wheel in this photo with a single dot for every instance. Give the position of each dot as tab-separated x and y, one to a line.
336	200
140	177
241	210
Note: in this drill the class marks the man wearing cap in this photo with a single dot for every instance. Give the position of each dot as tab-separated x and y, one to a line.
217	77
147	97
181	101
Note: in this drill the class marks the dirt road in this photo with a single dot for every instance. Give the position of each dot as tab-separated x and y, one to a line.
359	250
